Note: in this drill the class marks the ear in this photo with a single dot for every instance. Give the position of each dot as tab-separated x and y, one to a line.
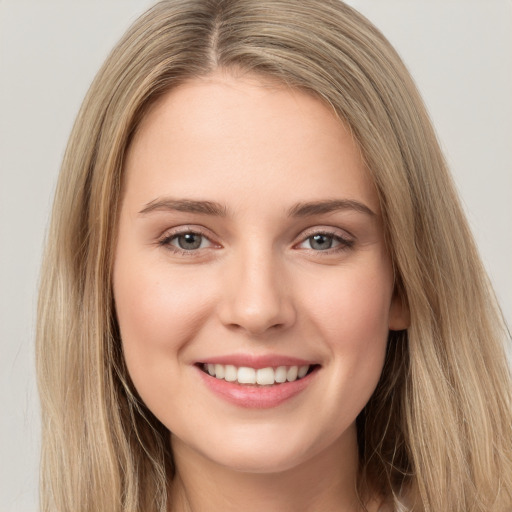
399	316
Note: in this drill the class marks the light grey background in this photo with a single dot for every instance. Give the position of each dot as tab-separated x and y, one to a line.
459	51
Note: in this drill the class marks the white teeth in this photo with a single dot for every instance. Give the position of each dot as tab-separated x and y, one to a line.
265	376
261	376
292	373
280	374
219	371
302	371
246	375
230	373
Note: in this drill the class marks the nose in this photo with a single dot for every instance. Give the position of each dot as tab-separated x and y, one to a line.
256	298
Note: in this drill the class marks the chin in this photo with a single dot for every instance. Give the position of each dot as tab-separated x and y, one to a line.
264	450
259	461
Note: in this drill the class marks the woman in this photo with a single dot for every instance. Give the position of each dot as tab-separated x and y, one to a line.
260	289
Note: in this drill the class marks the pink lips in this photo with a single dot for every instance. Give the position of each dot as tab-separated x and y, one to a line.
254	396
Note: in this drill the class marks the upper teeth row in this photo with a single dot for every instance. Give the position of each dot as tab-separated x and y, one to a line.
262	376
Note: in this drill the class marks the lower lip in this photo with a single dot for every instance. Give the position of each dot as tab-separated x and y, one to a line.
253	396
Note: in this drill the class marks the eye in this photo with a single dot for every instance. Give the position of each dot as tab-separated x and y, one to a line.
325	241
321	242
186	241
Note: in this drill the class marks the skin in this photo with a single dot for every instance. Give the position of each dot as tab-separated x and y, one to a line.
256	285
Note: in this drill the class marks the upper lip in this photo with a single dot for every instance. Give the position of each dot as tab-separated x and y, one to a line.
257	361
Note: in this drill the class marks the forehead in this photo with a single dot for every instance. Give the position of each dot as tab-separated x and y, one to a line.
237	138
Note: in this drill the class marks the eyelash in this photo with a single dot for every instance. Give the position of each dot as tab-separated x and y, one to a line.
169	237
345	243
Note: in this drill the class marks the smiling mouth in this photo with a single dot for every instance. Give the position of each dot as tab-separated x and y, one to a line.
257	377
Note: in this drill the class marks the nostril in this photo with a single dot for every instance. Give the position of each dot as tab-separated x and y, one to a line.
256	330
257	320
254	298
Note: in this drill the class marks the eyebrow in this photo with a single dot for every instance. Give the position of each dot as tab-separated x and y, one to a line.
185	205
328	206
306	209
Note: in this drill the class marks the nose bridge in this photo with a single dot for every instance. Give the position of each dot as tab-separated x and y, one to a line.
256	296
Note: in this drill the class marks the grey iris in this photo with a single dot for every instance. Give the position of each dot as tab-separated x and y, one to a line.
189	241
321	242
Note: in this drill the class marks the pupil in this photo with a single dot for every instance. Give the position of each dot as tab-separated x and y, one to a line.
189	241
321	242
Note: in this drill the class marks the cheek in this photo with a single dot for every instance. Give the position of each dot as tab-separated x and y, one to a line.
158	314
144	309
155	303
353	317
352	303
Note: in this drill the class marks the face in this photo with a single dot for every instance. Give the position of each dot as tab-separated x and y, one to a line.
253	289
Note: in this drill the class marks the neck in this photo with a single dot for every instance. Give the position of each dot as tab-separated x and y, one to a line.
326	481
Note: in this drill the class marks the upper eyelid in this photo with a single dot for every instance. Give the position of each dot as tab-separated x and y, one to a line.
325	230
180	230
301	237
165	239
345	239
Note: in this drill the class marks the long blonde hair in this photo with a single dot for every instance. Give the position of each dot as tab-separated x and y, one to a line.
437	430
